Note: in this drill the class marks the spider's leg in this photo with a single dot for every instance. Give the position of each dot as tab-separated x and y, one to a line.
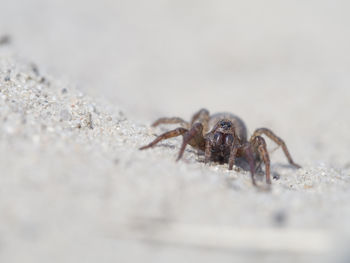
260	145
194	137
164	136
207	152
201	116
173	120
233	155
276	139
246	150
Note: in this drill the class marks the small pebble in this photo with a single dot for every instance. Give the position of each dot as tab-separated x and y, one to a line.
276	176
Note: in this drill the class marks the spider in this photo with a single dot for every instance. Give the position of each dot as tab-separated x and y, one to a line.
223	138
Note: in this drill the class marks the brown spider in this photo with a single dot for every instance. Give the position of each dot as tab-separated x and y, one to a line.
226	140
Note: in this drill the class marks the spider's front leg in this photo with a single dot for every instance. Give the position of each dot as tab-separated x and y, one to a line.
164	136
233	155
193	137
207	151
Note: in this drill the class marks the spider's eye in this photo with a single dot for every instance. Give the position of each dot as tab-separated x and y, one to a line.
218	138
228	139
225	124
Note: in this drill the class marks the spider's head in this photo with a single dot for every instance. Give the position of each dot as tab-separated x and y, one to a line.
225	126
223	135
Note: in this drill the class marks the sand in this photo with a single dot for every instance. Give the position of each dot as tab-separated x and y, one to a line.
75	187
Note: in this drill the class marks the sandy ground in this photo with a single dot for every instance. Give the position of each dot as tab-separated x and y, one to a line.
80	85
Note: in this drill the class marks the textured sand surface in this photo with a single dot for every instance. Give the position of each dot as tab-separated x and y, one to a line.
74	185
76	102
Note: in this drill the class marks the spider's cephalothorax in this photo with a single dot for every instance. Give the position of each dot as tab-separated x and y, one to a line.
223	138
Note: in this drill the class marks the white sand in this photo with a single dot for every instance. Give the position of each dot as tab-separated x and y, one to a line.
73	185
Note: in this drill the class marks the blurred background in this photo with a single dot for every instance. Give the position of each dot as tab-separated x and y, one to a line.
164	57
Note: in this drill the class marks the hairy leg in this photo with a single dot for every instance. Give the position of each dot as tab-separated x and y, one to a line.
201	116
260	145
207	152
276	139
233	155
194	137
164	136
173	120
247	152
